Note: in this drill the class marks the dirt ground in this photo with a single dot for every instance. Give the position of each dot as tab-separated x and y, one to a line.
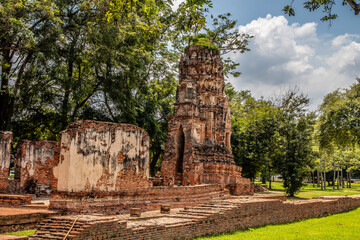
6	211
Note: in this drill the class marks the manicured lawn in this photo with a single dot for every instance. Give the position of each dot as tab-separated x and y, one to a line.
308	191
338	226
21	233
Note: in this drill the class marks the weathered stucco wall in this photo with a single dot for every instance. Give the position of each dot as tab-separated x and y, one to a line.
100	156
34	163
5	153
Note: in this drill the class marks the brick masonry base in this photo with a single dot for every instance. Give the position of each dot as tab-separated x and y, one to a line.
14	200
216	216
145	199
21	222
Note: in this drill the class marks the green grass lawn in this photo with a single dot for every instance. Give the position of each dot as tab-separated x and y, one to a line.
339	226
308	191
20	233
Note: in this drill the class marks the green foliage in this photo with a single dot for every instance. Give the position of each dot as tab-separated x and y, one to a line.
221	32
105	60
272	137
296	129
254	136
340	118
203	41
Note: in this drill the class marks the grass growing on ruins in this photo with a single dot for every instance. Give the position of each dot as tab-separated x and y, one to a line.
308	191
20	233
338	226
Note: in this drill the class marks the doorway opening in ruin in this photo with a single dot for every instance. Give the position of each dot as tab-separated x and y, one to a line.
180	140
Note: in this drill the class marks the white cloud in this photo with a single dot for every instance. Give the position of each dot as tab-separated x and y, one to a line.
176	3
346	59
344	39
283	56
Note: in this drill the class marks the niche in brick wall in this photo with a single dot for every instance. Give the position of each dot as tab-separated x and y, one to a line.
180	140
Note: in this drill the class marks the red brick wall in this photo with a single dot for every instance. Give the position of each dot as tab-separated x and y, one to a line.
215	217
35	161
5	153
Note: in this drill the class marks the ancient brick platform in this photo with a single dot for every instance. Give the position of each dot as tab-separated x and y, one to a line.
216	216
198	148
16	219
14	200
144	199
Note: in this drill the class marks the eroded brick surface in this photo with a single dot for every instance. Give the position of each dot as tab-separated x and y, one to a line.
5	153
198	149
34	163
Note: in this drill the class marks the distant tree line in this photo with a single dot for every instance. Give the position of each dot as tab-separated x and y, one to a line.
280	137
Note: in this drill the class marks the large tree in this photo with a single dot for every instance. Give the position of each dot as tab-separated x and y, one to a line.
105	60
296	130
255	135
27	28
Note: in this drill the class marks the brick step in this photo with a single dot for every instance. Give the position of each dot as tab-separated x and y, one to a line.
47	236
43	231
219	206
196	214
60	228
199	212
36	206
207	208
59	224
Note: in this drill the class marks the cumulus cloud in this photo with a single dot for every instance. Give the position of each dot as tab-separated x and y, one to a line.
283	56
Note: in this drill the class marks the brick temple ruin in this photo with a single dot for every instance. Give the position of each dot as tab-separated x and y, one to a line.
33	166
198	150
98	174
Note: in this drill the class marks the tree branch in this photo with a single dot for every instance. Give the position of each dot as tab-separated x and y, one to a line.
354	5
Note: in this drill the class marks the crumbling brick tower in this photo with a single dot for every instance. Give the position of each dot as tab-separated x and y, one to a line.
198	149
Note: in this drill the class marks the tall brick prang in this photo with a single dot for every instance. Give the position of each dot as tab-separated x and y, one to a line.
198	149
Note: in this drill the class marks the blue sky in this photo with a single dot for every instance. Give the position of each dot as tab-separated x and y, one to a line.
246	10
297	51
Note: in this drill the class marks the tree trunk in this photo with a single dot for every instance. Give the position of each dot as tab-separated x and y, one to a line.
313	178
324	180
338	178
317	180
270	182
153	163
6	108
334	177
342	179
350	179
